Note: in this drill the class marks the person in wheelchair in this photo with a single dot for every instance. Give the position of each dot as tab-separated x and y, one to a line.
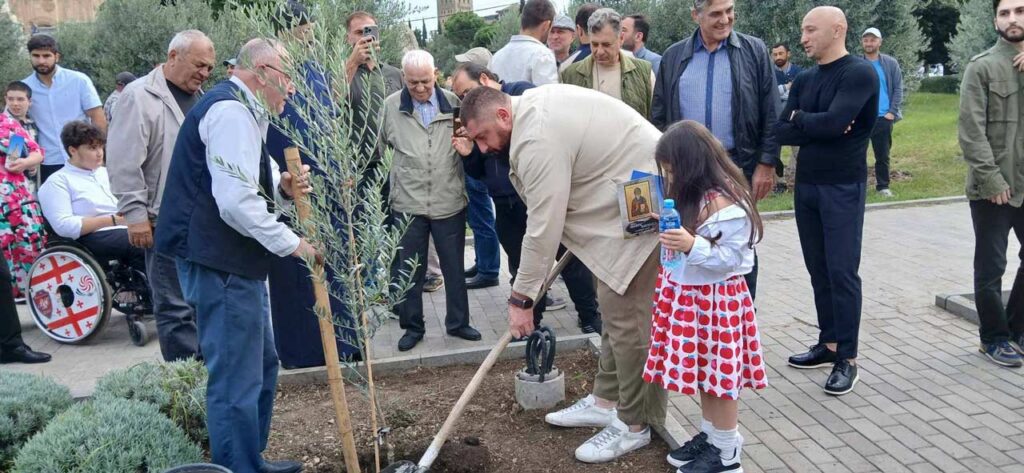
78	204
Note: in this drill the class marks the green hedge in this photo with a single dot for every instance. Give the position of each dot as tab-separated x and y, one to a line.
941	84
178	389
106	436
27	403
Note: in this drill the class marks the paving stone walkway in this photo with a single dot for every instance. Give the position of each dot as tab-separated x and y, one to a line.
927	401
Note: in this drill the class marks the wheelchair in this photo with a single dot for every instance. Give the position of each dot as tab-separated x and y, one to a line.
70	293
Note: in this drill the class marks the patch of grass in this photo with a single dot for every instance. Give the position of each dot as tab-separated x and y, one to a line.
924	147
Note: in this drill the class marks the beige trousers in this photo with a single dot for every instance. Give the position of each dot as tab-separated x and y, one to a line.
625	342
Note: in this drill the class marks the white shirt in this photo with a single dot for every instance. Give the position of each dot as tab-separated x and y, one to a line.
710	263
525	59
73	193
236	133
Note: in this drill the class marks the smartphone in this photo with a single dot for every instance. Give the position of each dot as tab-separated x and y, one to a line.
457	118
372	31
16	148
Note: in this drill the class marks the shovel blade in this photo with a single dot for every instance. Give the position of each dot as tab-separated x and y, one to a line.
403	466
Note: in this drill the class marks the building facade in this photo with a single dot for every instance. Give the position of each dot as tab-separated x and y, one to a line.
447	8
44	15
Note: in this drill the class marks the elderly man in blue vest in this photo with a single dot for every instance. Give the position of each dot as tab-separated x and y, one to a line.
225	236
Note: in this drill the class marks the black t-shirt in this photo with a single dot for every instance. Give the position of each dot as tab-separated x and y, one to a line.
185	100
829	99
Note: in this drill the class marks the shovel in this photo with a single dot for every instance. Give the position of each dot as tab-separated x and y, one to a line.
434	450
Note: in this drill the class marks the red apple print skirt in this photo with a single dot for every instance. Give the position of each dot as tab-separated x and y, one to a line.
705	338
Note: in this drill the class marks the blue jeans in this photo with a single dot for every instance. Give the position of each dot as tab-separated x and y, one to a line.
481	221
830	222
233	315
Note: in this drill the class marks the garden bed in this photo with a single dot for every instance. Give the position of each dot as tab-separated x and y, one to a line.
493	435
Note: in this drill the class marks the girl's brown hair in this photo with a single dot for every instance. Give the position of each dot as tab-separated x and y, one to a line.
698	164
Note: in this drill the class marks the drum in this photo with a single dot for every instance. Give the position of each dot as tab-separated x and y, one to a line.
68	294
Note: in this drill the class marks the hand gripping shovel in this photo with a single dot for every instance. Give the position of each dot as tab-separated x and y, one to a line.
434	450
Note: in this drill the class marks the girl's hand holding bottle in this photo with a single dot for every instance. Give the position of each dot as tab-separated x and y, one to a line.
678	239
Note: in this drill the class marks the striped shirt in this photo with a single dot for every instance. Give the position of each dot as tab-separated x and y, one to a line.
427	110
705	91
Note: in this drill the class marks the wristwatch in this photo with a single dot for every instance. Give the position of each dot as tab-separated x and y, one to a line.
522	303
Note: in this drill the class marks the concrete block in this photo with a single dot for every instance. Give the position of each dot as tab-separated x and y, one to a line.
533	394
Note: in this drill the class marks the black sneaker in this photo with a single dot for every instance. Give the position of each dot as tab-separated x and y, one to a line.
843	378
689	451
710	461
817	356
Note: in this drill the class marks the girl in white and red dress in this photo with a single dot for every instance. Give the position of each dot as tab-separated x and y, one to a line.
704	336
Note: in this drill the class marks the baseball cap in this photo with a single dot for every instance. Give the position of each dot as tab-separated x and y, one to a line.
563	21
480	56
231	62
293	13
124	78
872	31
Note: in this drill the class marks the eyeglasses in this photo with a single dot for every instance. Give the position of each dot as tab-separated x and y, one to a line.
287	75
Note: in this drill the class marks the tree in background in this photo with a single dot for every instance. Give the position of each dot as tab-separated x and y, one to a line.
504	28
461	28
975	34
14	63
938	20
775	21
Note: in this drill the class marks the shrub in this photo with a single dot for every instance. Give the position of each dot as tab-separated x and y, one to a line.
27	403
941	84
178	389
108	435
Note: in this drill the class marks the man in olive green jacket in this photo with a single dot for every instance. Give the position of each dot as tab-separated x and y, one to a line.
991	132
429	188
608	69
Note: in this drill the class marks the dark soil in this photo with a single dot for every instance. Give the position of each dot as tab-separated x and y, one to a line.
493	435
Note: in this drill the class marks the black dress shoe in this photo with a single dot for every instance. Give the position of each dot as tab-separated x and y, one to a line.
471	272
466	333
480	282
819	355
283	466
408	341
22	354
843	378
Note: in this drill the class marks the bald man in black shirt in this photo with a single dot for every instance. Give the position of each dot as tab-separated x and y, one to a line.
831	111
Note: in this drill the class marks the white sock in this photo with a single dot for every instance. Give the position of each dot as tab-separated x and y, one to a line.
728	441
707	427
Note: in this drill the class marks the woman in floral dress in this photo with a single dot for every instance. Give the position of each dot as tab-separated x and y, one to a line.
21	222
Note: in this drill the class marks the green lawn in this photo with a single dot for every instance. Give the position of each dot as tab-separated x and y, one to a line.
924	148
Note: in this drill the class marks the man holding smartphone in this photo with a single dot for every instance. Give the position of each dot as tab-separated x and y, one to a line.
370	82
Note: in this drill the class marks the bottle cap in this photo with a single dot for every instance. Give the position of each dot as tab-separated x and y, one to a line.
670	204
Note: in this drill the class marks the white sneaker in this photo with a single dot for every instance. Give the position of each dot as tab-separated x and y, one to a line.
886	193
584	413
613	442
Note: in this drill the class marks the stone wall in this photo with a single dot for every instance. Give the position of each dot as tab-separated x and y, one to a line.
46	14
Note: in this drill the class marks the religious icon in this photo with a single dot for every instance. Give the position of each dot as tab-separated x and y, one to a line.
636	204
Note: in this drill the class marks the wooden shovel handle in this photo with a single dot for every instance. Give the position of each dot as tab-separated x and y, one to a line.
442	435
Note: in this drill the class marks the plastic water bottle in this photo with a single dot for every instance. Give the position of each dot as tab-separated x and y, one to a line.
669	221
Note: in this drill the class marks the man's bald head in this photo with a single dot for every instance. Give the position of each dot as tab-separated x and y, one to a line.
823	34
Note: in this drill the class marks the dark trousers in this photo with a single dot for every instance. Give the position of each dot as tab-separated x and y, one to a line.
830	222
992	226
47	170
175	318
751	277
881	144
109	245
510	221
10	326
238	349
481	221
450	242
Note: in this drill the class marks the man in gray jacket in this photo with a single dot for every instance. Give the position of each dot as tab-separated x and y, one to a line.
890	101
150	112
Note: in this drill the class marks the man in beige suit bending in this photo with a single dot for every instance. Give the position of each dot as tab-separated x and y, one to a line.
566	172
